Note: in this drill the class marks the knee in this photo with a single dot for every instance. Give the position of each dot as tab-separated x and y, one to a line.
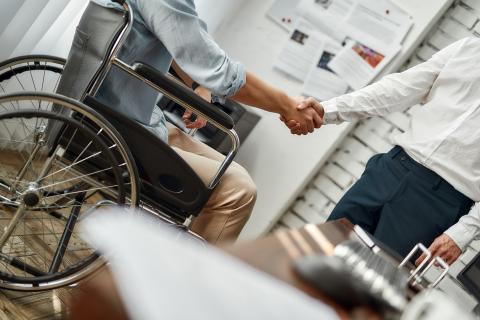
246	188
249	192
239	188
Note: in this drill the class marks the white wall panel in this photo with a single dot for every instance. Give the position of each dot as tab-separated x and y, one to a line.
40	26
19	25
8	10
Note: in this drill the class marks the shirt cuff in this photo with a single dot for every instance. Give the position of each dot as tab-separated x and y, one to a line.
237	83
460	235
331	112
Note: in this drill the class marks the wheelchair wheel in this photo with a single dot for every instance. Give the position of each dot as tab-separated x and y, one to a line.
57	165
40	73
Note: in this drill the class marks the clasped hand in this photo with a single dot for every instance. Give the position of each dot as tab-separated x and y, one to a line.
305	118
190	120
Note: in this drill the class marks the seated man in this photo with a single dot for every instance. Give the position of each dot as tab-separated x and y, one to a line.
425	188
170	30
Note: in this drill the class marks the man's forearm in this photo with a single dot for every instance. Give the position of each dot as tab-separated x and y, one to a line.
257	93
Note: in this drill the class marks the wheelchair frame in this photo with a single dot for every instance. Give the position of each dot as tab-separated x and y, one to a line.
113	60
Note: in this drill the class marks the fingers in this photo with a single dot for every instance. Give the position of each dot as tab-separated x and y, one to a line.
303	105
433	249
310	125
317	107
443	247
311	103
292	124
317	121
420	260
186	117
197	124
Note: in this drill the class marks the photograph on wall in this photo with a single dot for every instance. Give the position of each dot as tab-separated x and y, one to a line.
325	60
299	37
372	57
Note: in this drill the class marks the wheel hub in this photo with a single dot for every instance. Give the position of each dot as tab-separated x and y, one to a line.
31	197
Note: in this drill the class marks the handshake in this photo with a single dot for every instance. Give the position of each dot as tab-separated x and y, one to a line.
302	116
306	116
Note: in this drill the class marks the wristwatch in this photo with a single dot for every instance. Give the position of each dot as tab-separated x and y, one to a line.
195	85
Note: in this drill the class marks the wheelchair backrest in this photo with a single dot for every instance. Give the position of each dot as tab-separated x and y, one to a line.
96	36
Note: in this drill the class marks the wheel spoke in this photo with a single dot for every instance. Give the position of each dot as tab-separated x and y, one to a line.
72	175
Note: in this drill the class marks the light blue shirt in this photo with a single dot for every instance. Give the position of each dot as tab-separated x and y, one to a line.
164	30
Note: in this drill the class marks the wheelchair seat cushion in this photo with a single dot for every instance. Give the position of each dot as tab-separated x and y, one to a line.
166	178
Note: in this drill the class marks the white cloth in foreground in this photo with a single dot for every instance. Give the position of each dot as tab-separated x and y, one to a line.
163	276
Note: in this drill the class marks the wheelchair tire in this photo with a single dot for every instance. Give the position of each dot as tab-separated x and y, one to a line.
59	161
39	73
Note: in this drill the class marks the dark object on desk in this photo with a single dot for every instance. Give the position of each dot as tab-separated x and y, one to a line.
244	121
355	276
332	276
470	277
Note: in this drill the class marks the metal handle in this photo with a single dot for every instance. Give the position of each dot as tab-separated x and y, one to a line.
417	274
415	249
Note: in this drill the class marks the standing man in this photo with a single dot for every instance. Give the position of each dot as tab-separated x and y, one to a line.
427	188
170	31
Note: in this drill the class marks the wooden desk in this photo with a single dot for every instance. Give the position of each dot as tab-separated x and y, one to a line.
275	254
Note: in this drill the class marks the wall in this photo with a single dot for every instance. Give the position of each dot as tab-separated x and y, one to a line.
20	22
47	26
217	12
281	164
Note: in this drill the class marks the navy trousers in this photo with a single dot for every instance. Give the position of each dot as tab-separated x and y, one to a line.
401	203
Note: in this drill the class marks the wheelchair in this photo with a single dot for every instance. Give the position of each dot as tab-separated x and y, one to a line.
63	154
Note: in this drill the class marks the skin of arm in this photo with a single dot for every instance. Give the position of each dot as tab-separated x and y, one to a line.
259	94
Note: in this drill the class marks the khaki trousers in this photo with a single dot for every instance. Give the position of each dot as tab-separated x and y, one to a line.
231	204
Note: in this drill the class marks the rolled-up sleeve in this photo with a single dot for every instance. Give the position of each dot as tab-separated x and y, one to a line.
178	27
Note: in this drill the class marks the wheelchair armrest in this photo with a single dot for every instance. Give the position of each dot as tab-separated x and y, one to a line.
184	94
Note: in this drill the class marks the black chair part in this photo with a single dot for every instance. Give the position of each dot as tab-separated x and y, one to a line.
185	94
165	177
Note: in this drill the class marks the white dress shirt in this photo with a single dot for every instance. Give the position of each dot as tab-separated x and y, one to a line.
444	132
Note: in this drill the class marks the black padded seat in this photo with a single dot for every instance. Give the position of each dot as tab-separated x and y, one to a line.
166	179
187	95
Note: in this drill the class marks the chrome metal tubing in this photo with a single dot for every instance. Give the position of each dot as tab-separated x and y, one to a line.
113	54
155	212
230	132
228	159
440	262
7	232
24	169
425	251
